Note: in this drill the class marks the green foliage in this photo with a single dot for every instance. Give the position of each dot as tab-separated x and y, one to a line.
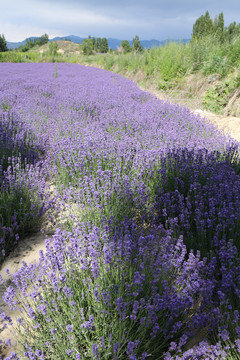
15	206
234	53
205	26
125	46
98	44
87	47
104	46
202	27
233	31
3	44
12	56
199	52
215	99
136	44
53	47
30	43
216	65
44	39
109	62
91	45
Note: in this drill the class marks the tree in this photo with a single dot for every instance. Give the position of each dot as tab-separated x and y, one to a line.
53	47
44	39
136	44
233	31
198	28
98	44
104	46
208	24
87	46
3	44
125	46
219	30
94	42
203	27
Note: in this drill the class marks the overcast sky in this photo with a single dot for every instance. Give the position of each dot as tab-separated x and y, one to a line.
120	19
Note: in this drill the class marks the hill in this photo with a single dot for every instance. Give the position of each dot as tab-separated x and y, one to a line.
63	47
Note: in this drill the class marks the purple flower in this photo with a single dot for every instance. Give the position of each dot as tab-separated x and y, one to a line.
38	353
135	307
237	342
69	328
130	347
237	329
161	183
89	325
116	347
95	350
224	335
138	278
102	343
173	346
68	291
132	357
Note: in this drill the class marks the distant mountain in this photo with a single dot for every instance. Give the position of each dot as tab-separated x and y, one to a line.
14	45
73	38
112	43
115	43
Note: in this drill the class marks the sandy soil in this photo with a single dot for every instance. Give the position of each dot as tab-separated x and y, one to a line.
28	249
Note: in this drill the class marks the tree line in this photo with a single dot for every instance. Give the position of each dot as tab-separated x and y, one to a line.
94	45
90	45
215	28
30	43
100	45
136	45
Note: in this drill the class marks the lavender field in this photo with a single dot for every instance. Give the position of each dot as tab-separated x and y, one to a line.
146	264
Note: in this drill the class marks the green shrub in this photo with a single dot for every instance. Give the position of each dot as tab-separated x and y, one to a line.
108	62
234	53
216	65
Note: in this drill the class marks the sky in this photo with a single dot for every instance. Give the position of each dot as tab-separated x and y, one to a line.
119	19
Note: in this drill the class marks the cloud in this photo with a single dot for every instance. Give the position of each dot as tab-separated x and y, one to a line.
120	19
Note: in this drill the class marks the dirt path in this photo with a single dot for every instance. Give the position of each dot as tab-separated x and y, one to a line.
28	249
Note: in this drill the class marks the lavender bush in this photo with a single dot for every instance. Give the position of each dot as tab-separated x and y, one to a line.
148	258
20	177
